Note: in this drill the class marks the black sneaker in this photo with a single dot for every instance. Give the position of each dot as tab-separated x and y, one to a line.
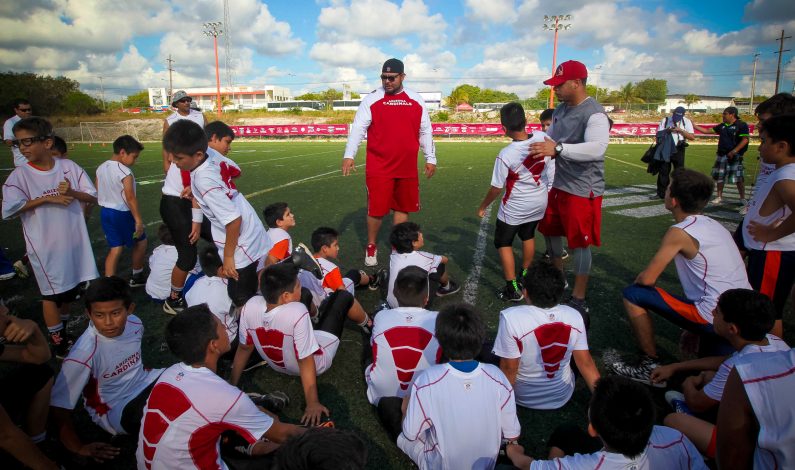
303	259
451	289
581	307
510	294
378	279
174	306
138	280
60	344
274	402
639	373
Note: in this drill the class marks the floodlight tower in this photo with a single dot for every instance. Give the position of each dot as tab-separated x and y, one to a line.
213	29
555	23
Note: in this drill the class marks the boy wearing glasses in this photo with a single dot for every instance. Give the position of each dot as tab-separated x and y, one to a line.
22	109
46	194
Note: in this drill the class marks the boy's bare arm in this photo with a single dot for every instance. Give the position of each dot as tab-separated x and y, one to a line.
99	451
19	445
314	409
737	426
510	367
132	203
587	367
491	195
663	373
58	199
673	242
242	356
784	191
35	349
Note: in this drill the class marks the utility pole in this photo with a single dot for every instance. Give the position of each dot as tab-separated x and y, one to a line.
170	82
102	93
781	52
753	84
213	29
553	23
228	49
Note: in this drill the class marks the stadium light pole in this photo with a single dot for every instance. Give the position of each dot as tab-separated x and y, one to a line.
555	23
213	29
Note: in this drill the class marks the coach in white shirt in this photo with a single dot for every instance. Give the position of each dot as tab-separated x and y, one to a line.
681	129
22	109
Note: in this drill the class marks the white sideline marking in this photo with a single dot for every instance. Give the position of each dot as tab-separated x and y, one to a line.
644	211
622	190
471	283
729	215
627	200
626	163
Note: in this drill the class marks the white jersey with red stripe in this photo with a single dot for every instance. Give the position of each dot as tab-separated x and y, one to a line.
8	134
332	281
457	419
526	181
716	268
668	449
187	411
786	172
214	190
397	261
714	389
284	334
769	381
110	188
56	236
212	290
403	344
161	264
281	243
543	339
107	372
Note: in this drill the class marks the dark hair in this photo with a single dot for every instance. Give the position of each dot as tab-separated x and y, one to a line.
322	449
18	102
218	129
210	261
752	312
277	279
584	81
273	213
691	189
106	289
622	412
323	236
544	283
460	331
184	137
411	287
782	103
403	236
59	145
189	333
546	114
128	144
164	235
732	110
38	126
781	128
512	117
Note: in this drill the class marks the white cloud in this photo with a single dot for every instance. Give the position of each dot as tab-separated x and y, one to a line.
379	19
347	54
493	11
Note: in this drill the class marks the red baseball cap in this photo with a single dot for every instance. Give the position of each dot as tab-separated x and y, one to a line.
569	70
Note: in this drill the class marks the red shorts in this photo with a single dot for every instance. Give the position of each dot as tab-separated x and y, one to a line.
577	218
385	194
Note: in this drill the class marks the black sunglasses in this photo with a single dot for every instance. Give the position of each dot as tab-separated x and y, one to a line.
185	100
25	110
28	141
390	78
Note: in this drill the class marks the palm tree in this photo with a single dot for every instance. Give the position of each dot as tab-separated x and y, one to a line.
690	99
628	94
457	96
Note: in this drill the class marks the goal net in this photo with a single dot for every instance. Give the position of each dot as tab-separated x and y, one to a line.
105	132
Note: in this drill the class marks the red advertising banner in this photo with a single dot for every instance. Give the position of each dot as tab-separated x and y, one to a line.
290	129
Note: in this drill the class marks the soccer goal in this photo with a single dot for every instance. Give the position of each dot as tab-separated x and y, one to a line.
105	132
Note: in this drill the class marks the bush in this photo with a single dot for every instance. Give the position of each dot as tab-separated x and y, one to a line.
295	111
441	116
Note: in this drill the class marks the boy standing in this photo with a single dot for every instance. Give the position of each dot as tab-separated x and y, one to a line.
526	181
106	367
458	413
120	215
536	343
46	194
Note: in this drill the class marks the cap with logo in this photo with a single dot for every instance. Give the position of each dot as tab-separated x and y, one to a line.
569	70
181	94
392	66
678	114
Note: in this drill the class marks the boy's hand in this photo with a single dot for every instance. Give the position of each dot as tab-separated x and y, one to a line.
481	212
762	233
64	187
195	232
18	330
99	451
313	414
230	272
61	200
186	193
139	229
662	373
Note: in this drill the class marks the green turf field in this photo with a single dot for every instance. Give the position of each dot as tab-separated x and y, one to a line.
307	176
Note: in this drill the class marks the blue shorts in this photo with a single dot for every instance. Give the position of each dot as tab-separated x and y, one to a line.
119	227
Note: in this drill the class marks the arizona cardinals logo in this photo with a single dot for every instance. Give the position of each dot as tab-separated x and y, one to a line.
559	70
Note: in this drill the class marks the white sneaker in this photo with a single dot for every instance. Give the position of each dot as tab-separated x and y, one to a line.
743	210
717	200
371	255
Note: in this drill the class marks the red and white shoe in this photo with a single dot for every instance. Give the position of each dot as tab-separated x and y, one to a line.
371	255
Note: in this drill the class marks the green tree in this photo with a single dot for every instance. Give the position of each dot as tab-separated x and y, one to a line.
487	95
44	92
651	90
457	96
690	99
139	99
77	102
628	94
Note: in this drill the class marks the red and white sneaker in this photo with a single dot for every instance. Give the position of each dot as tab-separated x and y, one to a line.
371	255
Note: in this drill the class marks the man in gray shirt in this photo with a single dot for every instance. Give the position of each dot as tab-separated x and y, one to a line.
578	138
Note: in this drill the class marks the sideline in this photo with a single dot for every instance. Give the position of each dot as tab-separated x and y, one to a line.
626	163
472	281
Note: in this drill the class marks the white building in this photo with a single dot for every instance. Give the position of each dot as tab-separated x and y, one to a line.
242	97
706	104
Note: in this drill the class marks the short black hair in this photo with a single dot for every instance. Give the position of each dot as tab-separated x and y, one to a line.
322	449
59	145
544	284
411	287
403	236
184	137
546	114
512	117
273	213
460	331
277	279
106	289
210	260
781	128
19	102
323	236
752	312
622	412
732	110
781	103
38	126
128	144
164	235
189	333
691	189
218	129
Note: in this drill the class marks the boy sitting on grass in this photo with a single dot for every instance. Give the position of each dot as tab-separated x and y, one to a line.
279	220
161	264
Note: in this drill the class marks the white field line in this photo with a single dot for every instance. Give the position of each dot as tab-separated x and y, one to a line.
472	281
626	163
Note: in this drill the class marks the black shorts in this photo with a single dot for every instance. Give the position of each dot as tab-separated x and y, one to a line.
333	311
133	413
64	297
505	233
176	214
18	385
772	273
245	287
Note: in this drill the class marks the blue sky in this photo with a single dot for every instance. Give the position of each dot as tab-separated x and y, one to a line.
699	47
